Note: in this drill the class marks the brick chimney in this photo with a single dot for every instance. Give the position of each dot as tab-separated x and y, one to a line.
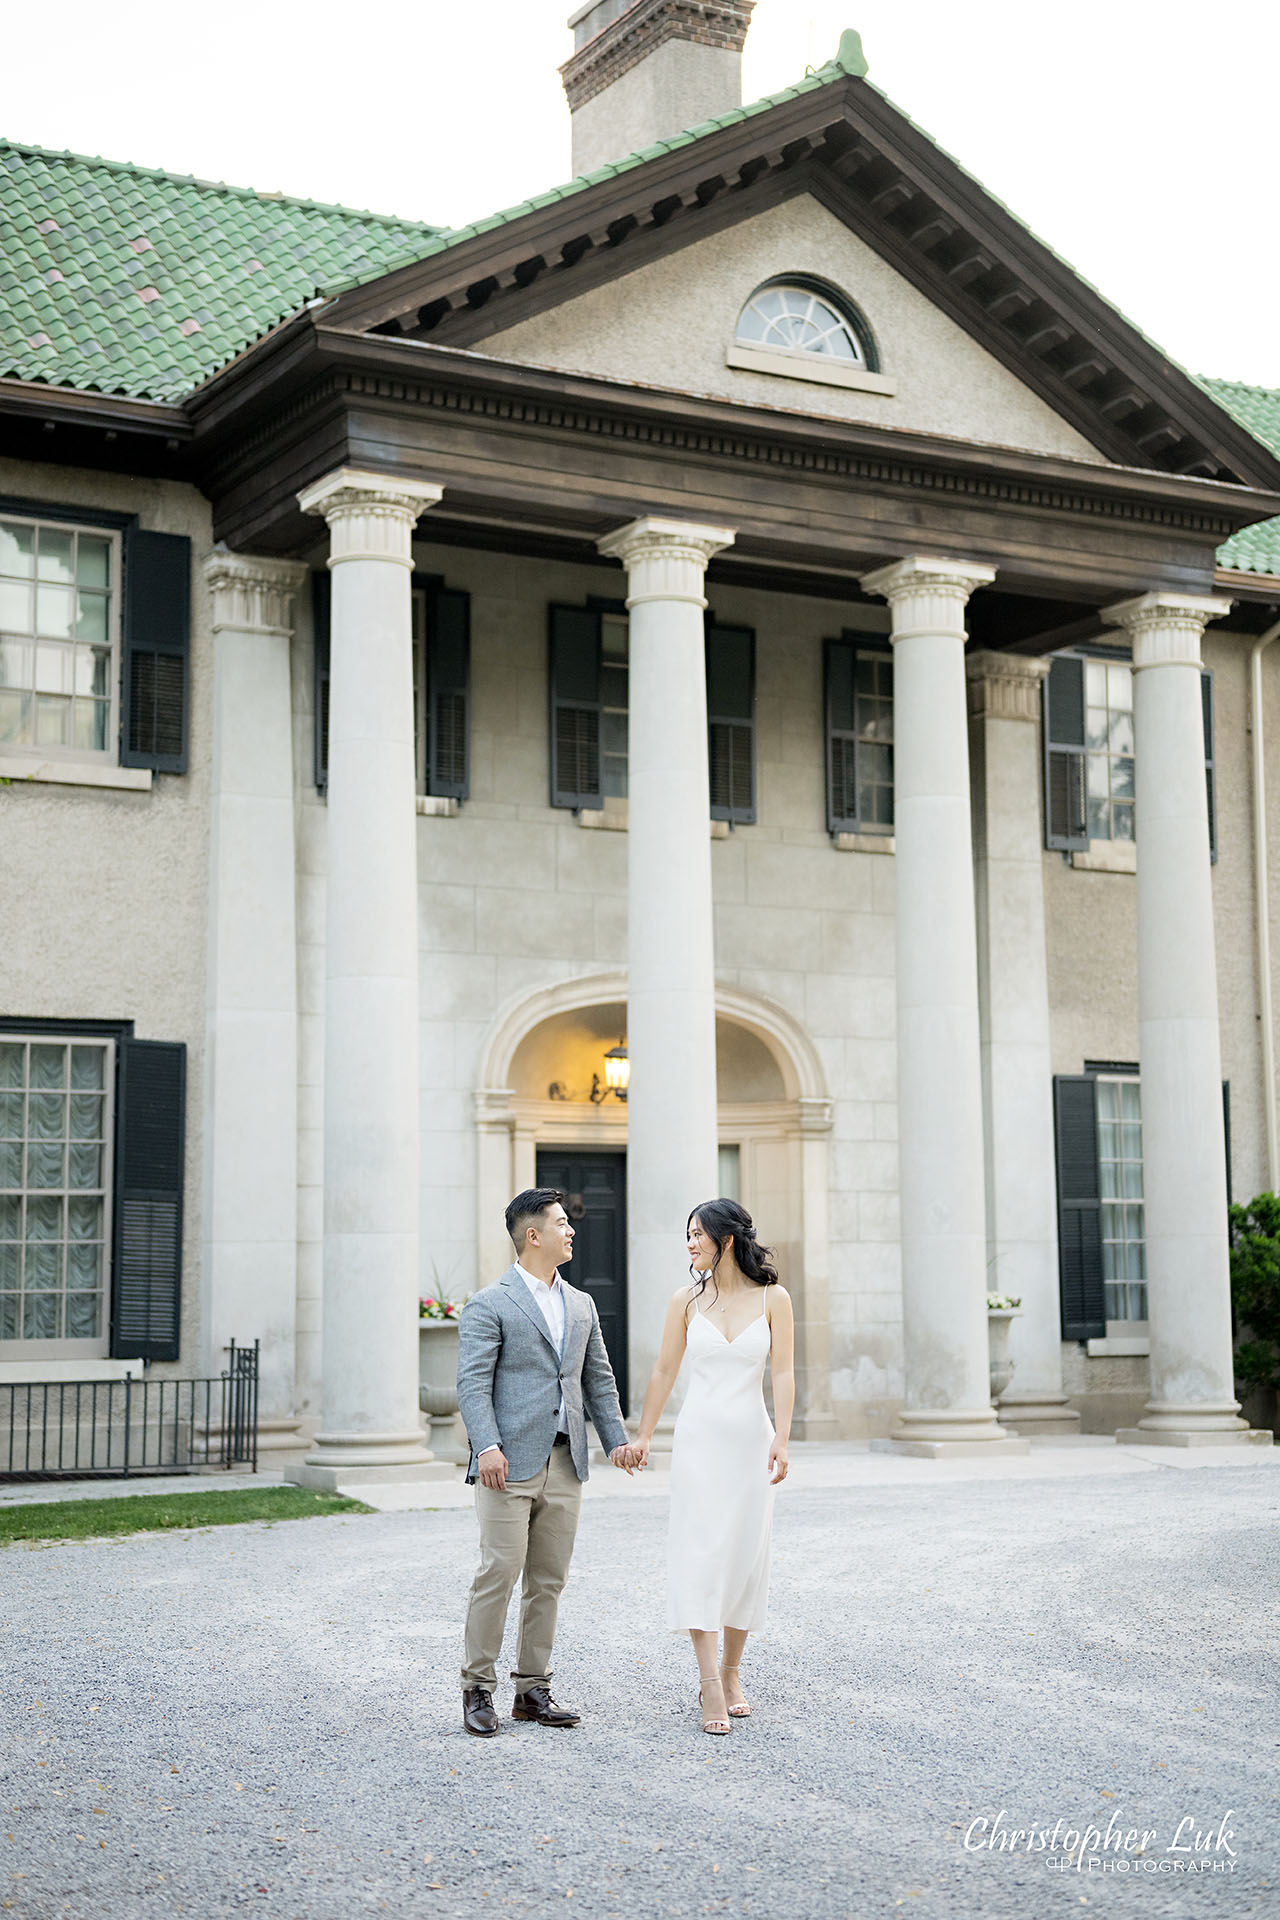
645	69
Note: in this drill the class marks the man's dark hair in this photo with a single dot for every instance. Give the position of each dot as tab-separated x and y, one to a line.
527	1208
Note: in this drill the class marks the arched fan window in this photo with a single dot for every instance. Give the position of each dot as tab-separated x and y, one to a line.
802	316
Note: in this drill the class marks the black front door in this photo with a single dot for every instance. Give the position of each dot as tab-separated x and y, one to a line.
595	1197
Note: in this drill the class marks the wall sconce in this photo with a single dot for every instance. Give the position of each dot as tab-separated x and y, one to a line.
617	1075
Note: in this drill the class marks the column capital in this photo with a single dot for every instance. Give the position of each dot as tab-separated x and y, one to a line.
954	580
665	559
1166	628
371	515
1004	686
250	594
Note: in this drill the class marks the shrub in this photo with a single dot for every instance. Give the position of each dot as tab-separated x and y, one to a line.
1255	1288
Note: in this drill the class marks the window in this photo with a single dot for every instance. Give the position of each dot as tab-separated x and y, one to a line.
1124	1252
1108	690
59	637
590	700
615	656
55	1192
441	635
1089	753
729	1172
859	702
442	689
802	316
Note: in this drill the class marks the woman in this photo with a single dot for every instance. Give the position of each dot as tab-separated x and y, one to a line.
726	1459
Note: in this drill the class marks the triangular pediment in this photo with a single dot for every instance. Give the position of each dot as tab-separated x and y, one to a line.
673	324
832	145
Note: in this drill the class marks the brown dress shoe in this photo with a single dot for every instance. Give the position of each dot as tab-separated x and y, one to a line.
536	1704
478	1715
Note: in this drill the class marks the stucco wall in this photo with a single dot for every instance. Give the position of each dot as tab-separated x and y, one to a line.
105	892
668	325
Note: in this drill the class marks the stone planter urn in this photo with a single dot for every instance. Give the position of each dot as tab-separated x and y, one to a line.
999	1322
438	1388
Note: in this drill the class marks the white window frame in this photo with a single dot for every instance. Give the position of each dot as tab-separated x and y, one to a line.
809	363
98	1347
1121	1328
1092	664
34	753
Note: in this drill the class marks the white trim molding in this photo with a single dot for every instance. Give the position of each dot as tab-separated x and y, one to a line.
819	370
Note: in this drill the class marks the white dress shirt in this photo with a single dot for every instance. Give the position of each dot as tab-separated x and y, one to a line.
550	1302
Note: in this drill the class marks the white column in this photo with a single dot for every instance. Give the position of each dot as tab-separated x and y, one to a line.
1013	995
369	1427
671	1000
250	1199
944	1247
1184	1163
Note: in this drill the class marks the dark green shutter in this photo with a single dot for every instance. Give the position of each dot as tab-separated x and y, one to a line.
1210	777
448	692
157	645
731	721
1066	814
146	1274
574	680
839	657
320	598
1075	1118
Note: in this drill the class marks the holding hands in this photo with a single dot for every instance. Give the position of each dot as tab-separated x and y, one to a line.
629	1458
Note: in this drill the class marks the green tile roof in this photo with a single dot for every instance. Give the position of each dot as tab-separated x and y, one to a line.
118	279
1255	549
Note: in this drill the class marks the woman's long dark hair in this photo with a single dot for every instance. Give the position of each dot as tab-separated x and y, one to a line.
719	1219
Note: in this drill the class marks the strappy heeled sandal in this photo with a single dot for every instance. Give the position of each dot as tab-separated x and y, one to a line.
742	1711
713	1726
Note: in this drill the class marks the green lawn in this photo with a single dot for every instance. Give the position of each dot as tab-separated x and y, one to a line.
153	1512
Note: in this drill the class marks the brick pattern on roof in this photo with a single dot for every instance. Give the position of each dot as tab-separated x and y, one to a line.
1254	549
118	279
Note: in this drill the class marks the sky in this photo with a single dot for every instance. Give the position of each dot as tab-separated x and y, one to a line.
1135	137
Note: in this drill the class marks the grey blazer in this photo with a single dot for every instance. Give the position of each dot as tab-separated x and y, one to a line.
510	1378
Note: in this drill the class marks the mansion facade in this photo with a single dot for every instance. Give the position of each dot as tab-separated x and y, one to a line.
742	675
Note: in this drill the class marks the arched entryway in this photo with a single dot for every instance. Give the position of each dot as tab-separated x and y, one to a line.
774	1116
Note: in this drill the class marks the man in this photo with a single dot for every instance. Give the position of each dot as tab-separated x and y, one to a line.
531	1367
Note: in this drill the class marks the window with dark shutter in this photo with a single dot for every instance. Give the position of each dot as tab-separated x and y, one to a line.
858	698
448	692
146	1290
1080	1272
1066	813
157	645
1210	780
574	683
731	721
320	598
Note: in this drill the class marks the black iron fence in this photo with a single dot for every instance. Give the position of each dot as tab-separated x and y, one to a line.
118	1428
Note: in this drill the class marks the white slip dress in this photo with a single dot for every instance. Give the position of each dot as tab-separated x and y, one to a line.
721	1496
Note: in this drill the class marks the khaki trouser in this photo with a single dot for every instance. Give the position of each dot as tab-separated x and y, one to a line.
528	1529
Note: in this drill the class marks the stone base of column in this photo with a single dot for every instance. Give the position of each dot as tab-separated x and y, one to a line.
1037	1414
815	1426
1002	1446
1194	1437
950	1433
344	1462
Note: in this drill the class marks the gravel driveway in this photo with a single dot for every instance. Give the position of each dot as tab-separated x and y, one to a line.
265	1719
